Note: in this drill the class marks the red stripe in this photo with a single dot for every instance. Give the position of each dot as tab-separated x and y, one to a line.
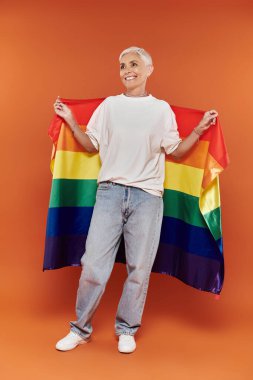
82	110
187	119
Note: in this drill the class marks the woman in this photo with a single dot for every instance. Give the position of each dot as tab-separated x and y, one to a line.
132	132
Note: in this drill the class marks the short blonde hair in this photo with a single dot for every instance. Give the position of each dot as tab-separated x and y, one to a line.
144	55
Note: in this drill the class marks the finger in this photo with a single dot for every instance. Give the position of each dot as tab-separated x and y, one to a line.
59	104
212	116
213	112
56	105
212	121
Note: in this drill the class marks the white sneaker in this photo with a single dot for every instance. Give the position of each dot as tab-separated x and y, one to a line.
69	342
126	343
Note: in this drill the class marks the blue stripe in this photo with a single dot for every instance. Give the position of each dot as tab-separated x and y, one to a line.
198	240
192	239
68	221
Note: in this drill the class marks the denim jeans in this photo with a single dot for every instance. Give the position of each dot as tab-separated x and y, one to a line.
136	214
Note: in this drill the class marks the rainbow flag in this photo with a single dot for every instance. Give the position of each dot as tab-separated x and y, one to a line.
191	247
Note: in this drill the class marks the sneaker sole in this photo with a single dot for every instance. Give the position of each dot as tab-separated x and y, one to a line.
126	352
72	348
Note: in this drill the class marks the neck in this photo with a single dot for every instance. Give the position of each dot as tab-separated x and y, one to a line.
136	92
137	96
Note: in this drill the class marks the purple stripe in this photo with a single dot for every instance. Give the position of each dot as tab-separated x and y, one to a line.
62	251
202	273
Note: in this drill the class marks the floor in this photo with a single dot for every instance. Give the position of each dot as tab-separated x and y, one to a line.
185	334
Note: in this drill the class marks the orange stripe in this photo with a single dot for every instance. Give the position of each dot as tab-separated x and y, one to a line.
212	168
196	157
66	140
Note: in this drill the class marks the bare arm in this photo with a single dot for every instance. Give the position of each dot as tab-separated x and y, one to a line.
64	111
208	119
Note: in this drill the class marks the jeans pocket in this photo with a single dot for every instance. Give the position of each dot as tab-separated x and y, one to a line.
104	185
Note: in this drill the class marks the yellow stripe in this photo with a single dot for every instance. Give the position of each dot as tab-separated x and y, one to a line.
76	165
210	198
186	179
52	166
79	165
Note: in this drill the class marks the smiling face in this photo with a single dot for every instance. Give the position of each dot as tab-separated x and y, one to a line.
134	72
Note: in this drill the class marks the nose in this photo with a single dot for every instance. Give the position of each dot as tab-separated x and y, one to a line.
125	72
128	70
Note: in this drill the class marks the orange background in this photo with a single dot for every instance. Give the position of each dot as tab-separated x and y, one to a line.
203	58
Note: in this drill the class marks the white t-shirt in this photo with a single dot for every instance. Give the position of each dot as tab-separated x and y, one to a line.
132	135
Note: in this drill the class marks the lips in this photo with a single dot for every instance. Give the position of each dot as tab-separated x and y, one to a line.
130	77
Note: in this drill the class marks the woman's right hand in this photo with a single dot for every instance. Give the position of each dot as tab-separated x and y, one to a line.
63	111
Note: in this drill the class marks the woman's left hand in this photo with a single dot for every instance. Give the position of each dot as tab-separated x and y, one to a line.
208	119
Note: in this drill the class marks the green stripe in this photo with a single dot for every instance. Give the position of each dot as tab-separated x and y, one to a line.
213	219
73	193
82	193
183	206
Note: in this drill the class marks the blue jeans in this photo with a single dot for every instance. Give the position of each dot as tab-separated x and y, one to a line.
136	214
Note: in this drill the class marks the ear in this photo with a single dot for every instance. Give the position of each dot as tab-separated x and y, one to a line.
150	69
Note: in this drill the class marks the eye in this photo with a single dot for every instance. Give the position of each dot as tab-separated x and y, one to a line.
134	64
122	67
